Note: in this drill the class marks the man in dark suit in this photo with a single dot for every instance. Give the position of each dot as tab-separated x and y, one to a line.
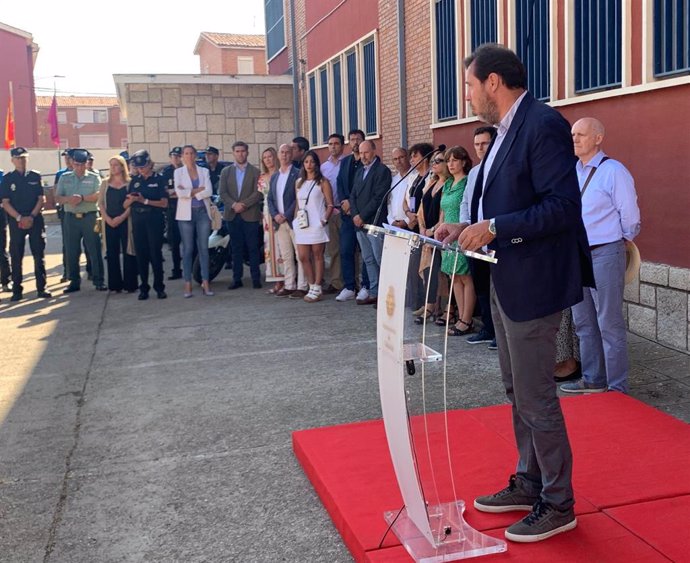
281	206
238	188
371	184
526	207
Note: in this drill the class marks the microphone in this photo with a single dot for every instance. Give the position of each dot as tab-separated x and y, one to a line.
440	148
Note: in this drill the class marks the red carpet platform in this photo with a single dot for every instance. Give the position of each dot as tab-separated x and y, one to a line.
631	479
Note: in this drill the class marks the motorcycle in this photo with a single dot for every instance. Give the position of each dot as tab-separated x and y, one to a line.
218	250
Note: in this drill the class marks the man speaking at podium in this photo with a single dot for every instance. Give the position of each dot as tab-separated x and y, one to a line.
526	207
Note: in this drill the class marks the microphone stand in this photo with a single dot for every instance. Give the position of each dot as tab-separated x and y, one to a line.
372	228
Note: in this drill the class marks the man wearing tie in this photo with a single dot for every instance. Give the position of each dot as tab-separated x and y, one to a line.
242	199
526	207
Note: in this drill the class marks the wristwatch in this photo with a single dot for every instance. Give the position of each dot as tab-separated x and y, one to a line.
492	226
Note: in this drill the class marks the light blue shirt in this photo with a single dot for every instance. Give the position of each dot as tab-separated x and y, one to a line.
502	131
330	170
466	203
609	205
365	170
239	177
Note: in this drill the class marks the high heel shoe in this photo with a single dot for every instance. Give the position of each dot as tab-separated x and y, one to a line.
448	316
207	290
188	291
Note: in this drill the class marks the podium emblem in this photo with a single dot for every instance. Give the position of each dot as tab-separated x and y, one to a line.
390	301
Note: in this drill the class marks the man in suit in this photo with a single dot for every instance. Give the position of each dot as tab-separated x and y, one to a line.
372	181
281	206
348	235
526	207
242	199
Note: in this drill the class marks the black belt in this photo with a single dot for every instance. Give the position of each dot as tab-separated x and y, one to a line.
81	215
595	246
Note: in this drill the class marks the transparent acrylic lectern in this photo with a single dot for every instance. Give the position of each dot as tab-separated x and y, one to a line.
431	533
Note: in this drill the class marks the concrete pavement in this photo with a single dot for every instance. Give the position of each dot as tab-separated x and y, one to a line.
160	430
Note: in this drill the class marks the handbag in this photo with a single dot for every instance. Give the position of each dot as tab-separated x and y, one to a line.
301	215
216	217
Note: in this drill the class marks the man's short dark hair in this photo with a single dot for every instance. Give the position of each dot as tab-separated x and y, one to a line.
424	149
356	132
486	129
491	57
242	144
338	136
302	143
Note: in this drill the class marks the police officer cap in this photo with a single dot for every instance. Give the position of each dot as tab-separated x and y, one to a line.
175	150
89	155
19	151
125	155
141	158
80	156
214	150
66	152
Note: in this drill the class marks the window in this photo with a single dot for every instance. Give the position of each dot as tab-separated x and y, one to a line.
312	109
352	90
446	60
597	44
275	27
671	36
370	120
337	98
343	93
62	117
533	44
325	126
90	115
484	22
100	116
94	141
245	65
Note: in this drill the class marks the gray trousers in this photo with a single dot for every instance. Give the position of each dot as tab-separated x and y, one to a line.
527	357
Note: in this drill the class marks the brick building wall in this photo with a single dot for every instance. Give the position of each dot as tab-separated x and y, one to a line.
389	77
224	60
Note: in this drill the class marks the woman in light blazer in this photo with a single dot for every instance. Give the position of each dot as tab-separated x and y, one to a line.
193	188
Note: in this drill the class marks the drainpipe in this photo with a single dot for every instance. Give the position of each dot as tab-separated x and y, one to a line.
402	75
295	71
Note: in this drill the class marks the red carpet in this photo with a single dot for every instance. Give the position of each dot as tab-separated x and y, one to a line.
631	478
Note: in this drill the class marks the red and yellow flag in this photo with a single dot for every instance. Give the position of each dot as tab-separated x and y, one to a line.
10	140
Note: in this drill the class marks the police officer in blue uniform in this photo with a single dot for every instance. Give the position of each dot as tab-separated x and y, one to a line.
147	196
4	259
67	155
212	154
173	230
22	197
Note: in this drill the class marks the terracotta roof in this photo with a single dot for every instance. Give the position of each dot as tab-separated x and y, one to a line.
77	101
235	39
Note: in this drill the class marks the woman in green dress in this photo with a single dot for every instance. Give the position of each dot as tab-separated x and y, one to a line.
459	164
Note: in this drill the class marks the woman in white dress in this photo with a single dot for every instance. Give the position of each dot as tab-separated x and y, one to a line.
314	206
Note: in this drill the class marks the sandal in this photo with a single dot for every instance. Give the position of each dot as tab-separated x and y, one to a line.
424	317
455	331
446	317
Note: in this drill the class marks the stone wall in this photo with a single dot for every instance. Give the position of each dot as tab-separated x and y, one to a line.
206	110
657	305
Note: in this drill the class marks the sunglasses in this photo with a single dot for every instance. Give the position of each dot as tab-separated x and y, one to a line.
438	161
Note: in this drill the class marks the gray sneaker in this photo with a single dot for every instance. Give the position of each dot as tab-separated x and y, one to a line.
581	387
543	522
506	500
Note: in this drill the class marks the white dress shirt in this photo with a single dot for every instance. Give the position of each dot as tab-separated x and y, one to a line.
466	202
395	200
502	131
280	190
609	205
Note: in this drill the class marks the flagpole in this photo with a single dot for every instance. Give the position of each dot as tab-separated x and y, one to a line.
59	162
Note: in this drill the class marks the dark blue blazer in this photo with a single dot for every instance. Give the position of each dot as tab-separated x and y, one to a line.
344	181
368	193
288	195
533	193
